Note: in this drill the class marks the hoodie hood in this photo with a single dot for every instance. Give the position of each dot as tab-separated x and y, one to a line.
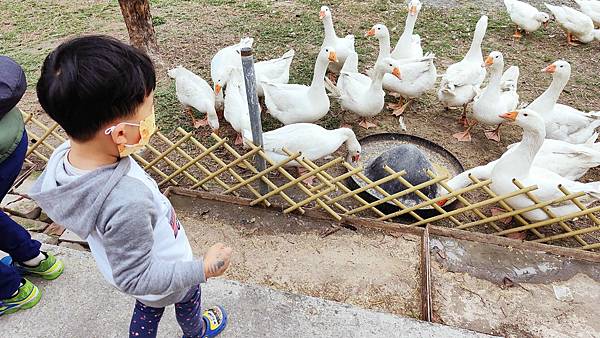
56	191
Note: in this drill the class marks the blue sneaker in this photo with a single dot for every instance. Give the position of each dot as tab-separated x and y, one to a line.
215	320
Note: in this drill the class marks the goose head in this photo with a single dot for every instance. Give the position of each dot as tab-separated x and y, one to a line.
559	69
414	7
378	31
324	13
352	145
174	72
225	77
494	60
527	119
389	65
327	54
542	17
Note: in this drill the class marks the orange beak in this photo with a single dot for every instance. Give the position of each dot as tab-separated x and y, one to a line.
488	61
321	15
512	116
396	73
441	203
355	158
333	57
371	32
413	10
217	88
550	69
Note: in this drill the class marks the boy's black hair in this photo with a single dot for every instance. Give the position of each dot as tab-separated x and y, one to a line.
91	80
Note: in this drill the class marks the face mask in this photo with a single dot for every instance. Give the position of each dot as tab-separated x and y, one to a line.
147	127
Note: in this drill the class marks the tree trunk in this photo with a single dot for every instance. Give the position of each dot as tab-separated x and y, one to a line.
138	20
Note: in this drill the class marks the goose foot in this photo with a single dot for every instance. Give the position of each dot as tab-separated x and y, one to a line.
366	124
239	139
402	109
197	123
396	95
309	180
397	105
346	125
517	235
493	135
463	117
517	34
465	136
464	121
499	211
333	77
571	40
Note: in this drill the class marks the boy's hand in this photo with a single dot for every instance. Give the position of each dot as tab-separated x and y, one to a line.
216	260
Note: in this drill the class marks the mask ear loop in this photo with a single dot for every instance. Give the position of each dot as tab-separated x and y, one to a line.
109	131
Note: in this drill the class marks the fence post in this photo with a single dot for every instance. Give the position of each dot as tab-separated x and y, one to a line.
254	110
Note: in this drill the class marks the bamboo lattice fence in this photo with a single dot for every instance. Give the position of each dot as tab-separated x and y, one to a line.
214	165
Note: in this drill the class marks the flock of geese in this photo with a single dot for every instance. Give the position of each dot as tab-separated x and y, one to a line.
558	145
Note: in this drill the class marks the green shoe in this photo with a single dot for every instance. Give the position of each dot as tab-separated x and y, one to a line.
49	268
29	295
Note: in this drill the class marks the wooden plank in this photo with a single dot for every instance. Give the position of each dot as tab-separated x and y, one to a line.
426	302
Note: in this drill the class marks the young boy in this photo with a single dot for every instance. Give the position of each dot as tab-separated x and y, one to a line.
16	292
101	92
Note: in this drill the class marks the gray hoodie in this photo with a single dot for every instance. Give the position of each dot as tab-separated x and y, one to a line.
134	235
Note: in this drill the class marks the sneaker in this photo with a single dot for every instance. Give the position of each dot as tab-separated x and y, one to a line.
49	268
27	297
215	320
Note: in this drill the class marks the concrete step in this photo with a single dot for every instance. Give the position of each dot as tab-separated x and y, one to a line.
80	301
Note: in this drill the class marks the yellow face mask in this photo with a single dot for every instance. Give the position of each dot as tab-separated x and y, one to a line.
147	127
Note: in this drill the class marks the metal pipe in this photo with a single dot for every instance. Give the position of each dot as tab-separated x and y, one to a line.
254	110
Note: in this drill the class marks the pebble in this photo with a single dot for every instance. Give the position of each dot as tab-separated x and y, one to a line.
54	229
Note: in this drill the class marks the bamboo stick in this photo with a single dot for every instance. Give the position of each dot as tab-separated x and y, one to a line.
549	221
296	181
168	161
196	159
226	167
461	210
198	165
422	195
42	140
464	201
505	206
301	186
549	212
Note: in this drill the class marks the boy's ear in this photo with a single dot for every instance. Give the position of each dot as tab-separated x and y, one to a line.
118	134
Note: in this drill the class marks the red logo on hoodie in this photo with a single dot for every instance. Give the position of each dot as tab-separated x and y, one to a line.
175	225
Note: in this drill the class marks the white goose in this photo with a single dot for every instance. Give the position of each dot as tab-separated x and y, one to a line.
409	44
222	60
361	94
236	102
564	122
313	141
294	103
343	46
462	80
194	91
568	160
275	70
578	26
518	165
525	17
493	100
418	75
590	8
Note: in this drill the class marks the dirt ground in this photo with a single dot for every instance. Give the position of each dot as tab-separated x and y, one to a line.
482	287
365	268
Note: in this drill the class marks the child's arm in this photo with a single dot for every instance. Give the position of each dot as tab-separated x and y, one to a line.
128	241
